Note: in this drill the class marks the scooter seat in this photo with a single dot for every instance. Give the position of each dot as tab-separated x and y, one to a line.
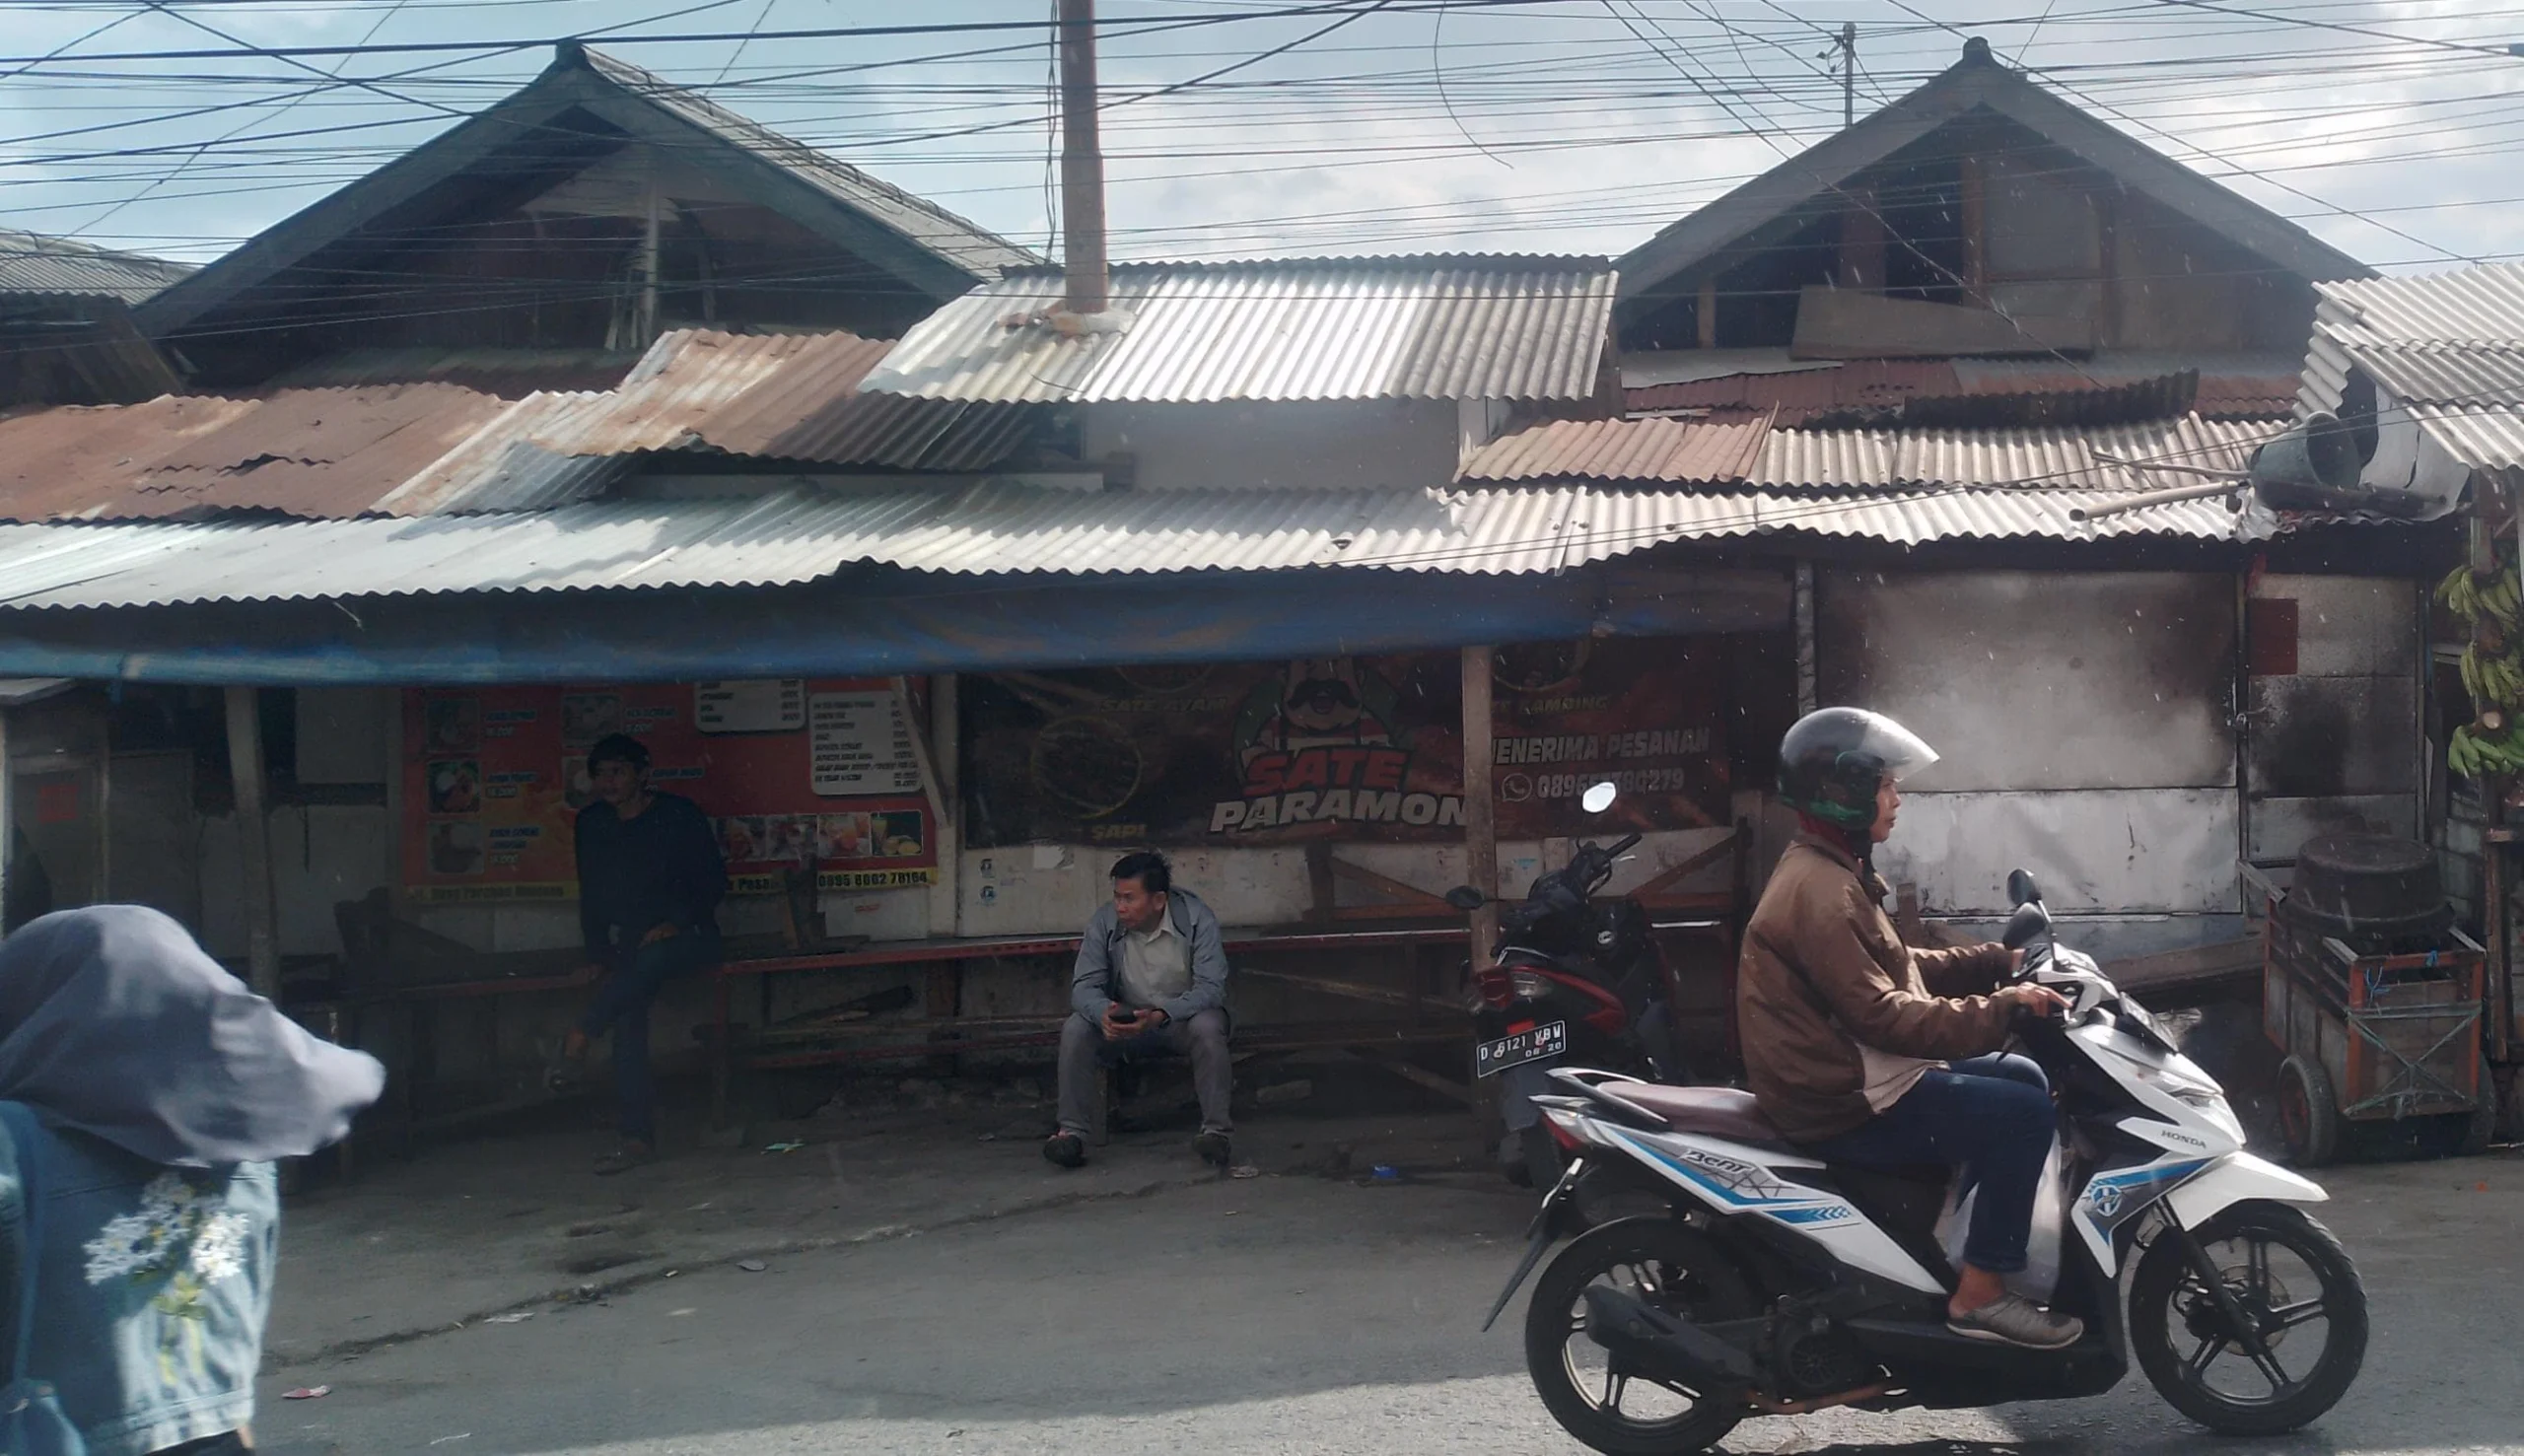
1717	1112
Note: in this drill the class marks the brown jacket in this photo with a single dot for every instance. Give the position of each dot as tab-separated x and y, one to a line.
1823	970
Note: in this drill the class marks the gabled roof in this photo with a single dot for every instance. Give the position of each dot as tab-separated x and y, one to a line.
32	264
1435	327
545	127
1978	82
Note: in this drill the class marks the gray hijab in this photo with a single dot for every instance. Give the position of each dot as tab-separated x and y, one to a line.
115	1022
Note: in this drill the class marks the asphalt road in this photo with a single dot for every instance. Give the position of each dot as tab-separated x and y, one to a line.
1290	1316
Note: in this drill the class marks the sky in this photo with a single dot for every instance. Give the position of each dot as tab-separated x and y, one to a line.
2390	128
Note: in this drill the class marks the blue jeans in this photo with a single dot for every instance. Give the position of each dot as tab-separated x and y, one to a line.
1989	1114
622	1005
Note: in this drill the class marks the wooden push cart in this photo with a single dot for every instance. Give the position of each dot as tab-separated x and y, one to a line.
2371	1039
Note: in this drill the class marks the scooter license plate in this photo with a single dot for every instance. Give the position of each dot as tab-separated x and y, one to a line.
1521	1048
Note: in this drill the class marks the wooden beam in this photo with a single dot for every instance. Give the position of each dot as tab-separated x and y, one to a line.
253	840
1480	820
1674	874
1422	1077
1976	250
1705	314
1405	896
1862	264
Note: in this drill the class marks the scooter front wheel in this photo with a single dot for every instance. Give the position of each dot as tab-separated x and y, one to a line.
1618	1411
2290	1278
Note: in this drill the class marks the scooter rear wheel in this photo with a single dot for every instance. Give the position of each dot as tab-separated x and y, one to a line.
1618	1412
2292	1279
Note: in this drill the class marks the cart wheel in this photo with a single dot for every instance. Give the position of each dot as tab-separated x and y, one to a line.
2308	1115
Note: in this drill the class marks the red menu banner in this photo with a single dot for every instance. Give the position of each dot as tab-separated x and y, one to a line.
792	772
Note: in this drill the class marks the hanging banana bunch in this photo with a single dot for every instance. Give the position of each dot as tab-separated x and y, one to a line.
2493	744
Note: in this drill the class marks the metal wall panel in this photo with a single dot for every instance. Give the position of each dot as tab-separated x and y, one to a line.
2123	852
2333	744
2031	681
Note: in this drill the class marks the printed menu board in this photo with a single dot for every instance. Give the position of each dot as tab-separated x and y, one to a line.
792	773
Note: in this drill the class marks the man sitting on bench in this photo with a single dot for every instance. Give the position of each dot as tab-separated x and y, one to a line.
1151	980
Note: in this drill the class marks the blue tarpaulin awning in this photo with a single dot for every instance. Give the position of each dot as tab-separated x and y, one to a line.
871	622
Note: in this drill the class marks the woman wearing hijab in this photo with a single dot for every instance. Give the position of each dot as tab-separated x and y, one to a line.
153	1093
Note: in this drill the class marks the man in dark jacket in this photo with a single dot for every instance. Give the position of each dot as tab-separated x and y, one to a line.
1151	979
649	881
1868	1052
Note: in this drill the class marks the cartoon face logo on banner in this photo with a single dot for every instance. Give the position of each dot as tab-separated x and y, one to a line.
1321	742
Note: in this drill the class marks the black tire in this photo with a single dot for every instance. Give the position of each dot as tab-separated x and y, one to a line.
2308	1113
2168	1302
1659	1254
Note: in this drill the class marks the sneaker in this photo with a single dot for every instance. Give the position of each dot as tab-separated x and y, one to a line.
1065	1150
1215	1148
2012	1319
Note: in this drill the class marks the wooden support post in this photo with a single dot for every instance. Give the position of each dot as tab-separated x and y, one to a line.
1809	685
1975	250
8	808
1322	894
1705	314
1480	823
941	773
1862	264
2497	910
253	840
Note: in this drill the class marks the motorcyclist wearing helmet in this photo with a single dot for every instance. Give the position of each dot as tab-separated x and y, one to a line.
1868	1052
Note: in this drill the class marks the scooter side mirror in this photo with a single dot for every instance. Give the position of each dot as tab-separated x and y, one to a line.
1598	798
2022	889
1465	897
2029	920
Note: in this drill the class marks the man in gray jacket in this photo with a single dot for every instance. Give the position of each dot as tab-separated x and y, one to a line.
1151	980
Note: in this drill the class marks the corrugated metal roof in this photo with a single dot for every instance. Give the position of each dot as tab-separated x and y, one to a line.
965	243
801	535
511	374
1986	393
1622	450
775	396
2448	346
416	449
1302	329
2059	458
30	262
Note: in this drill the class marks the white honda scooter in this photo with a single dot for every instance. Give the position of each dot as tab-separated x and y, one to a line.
1778	1284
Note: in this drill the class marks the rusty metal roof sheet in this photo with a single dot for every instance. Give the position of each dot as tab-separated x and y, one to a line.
776	397
30	262
420	447
1469	327
1622	450
2447	346
1984	392
799	535
509	373
306	453
2053	459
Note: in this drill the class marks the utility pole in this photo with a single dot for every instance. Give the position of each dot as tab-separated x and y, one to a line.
1849	74
1082	162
